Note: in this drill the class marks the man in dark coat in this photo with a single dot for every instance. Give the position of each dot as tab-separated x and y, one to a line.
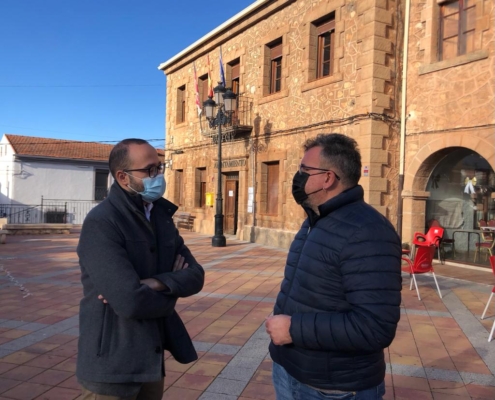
134	267
338	305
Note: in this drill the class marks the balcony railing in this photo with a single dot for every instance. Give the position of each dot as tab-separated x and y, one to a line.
241	122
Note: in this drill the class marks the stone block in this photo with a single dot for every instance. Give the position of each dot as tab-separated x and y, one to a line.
370	142
382	100
364	5
376	43
374	198
377	14
377	155
374	127
381	209
373	28
371	57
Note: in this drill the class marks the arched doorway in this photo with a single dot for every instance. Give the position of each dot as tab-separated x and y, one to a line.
461	191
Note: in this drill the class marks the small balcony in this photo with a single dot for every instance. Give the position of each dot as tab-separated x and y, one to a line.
240	125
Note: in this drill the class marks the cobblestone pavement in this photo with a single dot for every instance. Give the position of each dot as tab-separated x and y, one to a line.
440	350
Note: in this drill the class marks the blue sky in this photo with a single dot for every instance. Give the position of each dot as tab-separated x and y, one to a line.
87	70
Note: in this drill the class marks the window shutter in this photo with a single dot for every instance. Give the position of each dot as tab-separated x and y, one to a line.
276	51
325	27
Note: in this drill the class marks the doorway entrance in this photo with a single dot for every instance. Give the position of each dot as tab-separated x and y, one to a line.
231	202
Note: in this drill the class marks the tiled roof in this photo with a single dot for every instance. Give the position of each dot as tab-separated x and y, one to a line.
67	149
57	148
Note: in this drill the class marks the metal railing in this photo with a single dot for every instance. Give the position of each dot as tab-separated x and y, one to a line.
241	121
50	211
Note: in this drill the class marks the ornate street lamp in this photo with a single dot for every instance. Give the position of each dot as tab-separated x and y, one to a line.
225	104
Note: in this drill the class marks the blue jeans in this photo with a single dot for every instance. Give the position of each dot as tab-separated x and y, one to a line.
287	388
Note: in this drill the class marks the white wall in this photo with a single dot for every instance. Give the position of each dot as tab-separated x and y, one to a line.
52	181
6	169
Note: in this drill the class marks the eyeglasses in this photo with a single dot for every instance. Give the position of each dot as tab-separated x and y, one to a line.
153	171
303	168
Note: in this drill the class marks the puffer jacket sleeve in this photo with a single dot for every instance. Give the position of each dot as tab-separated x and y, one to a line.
371	279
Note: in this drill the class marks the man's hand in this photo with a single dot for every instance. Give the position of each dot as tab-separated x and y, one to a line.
100	297
180	263
277	326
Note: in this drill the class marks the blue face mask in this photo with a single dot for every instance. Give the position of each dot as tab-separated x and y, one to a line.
154	188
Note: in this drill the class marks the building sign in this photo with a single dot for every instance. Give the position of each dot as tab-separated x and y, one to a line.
238	162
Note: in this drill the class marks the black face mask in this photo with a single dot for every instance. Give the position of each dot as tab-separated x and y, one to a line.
299	184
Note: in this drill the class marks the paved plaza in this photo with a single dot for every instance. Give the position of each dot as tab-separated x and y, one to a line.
440	350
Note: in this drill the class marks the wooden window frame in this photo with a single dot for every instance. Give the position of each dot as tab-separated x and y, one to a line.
181	105
234	74
325	28
271	197
462	11
203	89
200	187
276	49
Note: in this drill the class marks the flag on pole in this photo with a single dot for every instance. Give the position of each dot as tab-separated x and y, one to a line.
222	72
210	81
196	90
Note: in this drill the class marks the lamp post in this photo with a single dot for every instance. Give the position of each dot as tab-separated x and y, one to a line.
225	104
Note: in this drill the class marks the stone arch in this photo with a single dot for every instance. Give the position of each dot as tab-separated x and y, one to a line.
420	167
431	153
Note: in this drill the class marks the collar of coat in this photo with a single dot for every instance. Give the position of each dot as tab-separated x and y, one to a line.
351	195
134	202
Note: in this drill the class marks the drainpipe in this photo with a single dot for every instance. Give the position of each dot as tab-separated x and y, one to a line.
405	54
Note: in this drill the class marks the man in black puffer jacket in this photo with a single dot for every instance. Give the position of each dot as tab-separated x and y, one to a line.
338	305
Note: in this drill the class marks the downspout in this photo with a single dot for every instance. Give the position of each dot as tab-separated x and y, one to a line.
405	54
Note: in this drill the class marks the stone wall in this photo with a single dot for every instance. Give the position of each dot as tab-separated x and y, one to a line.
364	81
450	103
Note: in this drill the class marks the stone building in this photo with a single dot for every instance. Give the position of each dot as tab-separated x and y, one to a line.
450	119
304	67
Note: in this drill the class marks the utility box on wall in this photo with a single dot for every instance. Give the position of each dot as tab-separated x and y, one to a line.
209	199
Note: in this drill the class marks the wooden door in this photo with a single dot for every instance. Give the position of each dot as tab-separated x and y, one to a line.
230	226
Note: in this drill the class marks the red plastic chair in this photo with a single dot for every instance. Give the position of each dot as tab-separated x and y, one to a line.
432	238
422	263
492	263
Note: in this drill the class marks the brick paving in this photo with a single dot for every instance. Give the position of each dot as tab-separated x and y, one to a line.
440	350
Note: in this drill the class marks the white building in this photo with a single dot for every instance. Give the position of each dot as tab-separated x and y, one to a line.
53	179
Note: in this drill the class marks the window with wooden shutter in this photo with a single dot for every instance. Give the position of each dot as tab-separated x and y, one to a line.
457	28
275	67
325	30
203	88
235	75
272	170
200	187
181	104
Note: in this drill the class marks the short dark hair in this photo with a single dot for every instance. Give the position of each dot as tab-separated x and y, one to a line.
119	156
340	152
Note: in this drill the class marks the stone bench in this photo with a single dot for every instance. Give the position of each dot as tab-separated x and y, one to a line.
184	220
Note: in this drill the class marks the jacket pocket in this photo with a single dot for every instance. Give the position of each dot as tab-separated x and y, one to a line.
105	333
